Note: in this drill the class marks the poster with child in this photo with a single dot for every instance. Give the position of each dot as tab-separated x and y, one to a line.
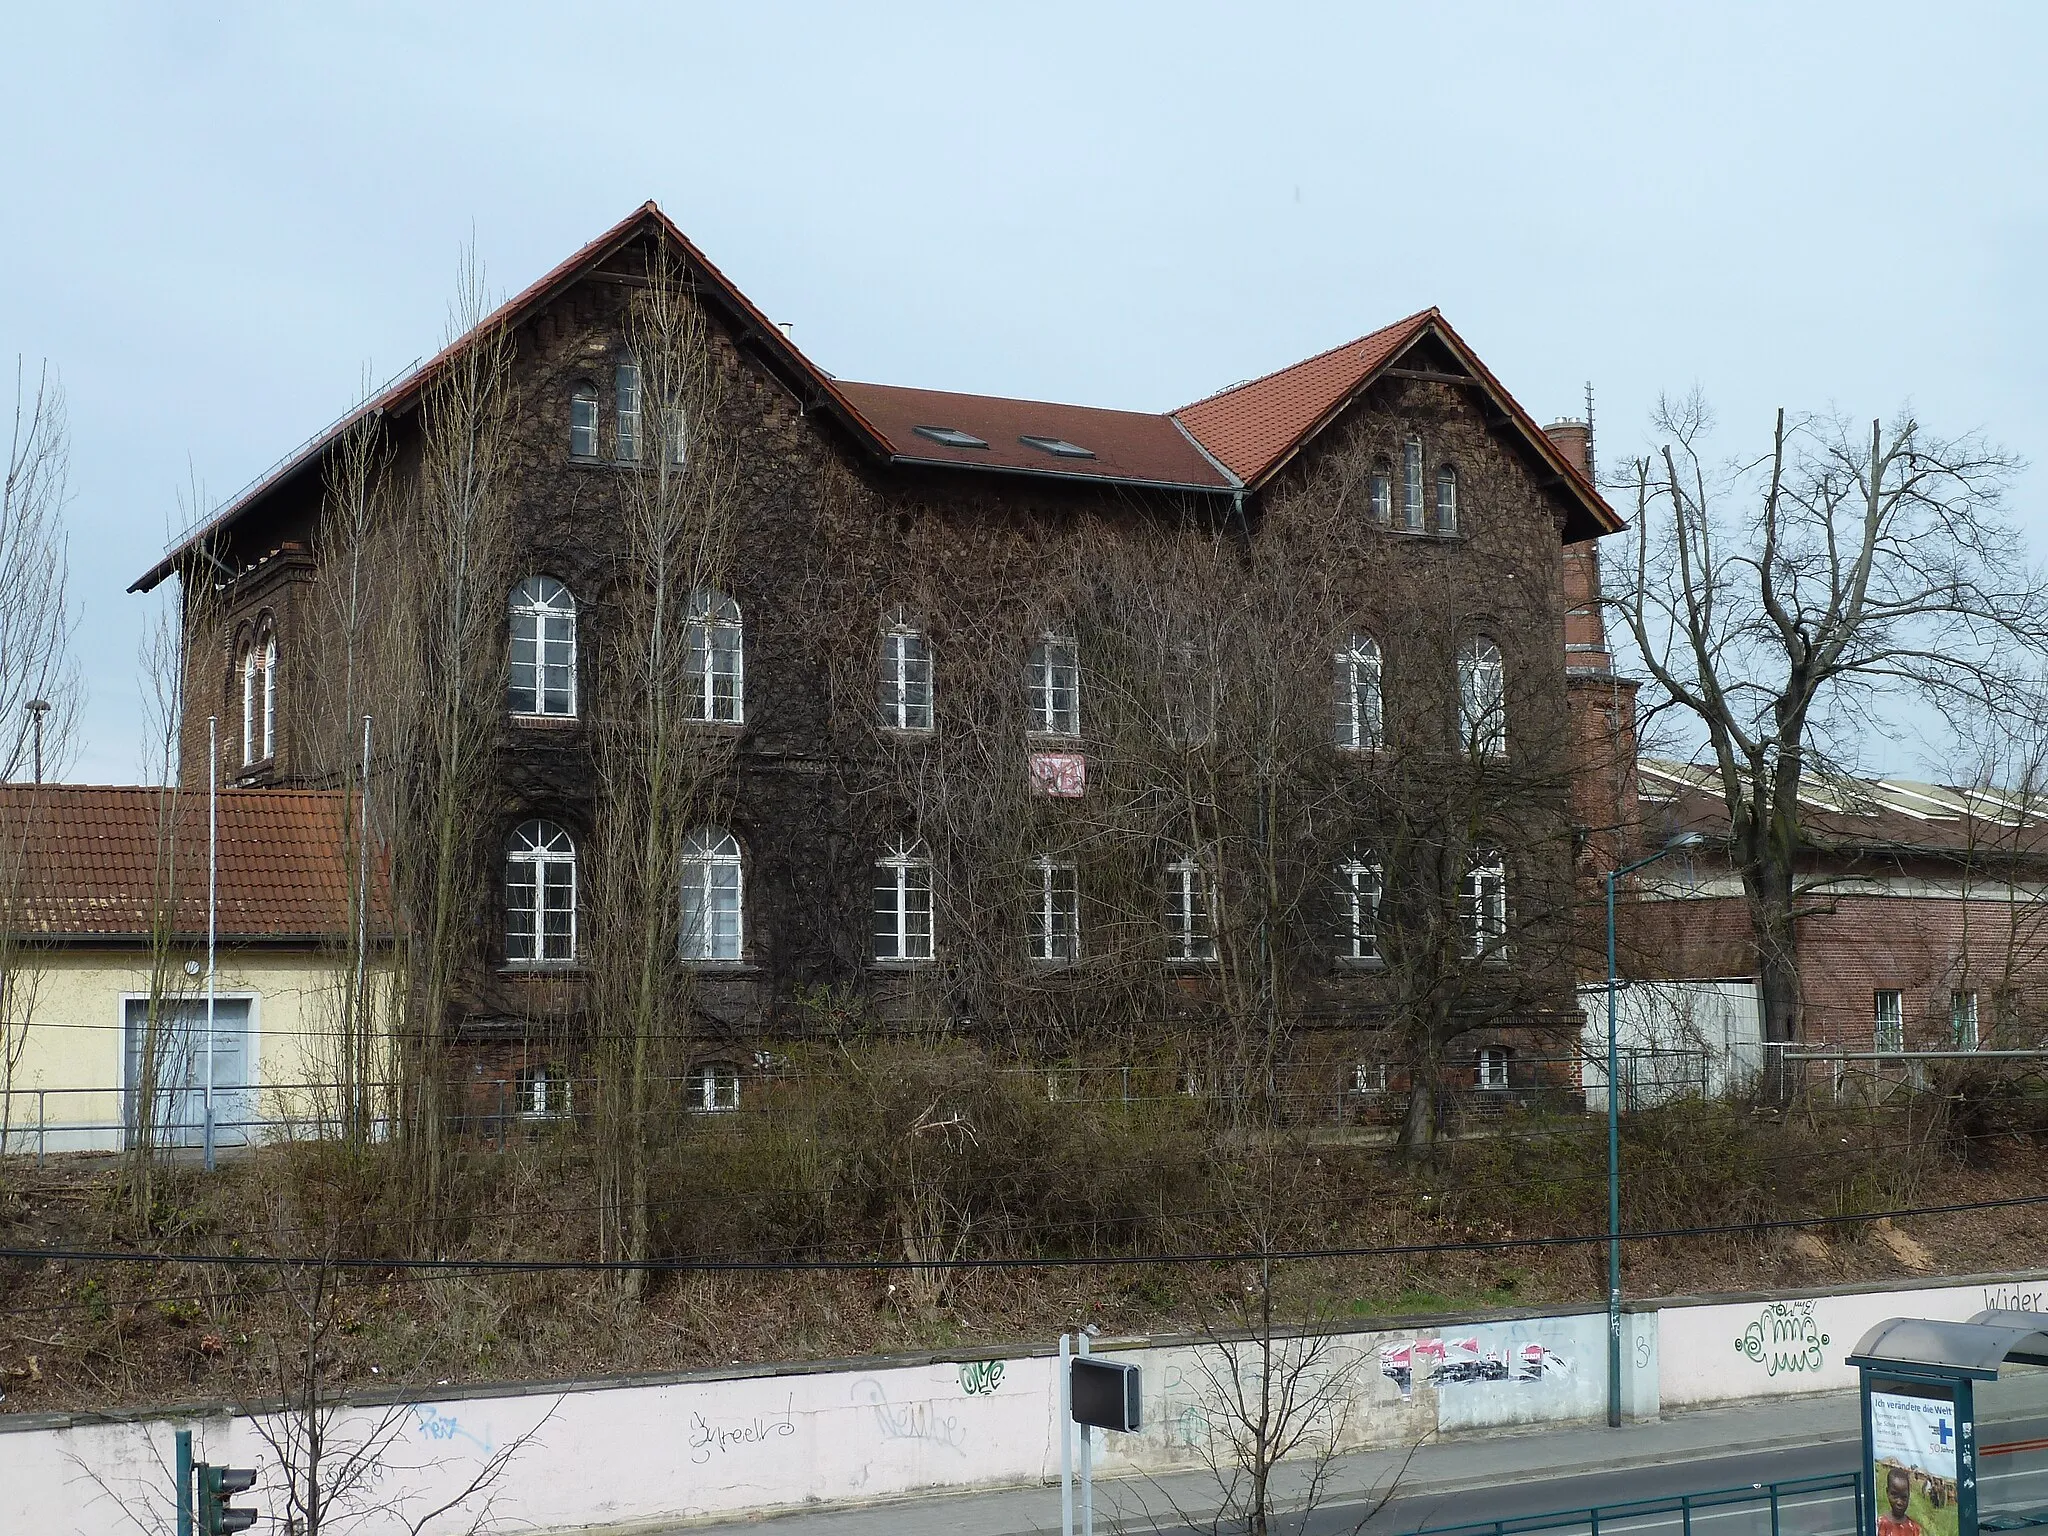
1913	1464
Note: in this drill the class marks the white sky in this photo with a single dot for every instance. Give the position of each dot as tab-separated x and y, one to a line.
217	217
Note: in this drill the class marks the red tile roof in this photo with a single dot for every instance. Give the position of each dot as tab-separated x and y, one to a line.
1252	426
89	861
1127	445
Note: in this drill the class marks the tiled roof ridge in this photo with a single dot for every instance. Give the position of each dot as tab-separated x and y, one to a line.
969	394
1431	313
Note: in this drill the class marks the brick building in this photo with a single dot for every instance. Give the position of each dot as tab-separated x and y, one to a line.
1458	526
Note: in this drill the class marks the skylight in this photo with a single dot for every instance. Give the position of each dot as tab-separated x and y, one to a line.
952	437
1059	447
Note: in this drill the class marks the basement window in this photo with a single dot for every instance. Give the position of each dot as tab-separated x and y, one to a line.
1058	447
951	437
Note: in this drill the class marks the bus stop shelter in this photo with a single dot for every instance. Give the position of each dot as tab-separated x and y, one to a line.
1955	1424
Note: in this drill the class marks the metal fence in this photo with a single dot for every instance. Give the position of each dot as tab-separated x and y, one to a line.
1809	1506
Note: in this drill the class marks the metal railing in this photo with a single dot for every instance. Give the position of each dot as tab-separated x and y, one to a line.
1831	1505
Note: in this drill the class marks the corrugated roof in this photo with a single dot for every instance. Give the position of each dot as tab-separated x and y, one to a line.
90	861
1839	810
1127	445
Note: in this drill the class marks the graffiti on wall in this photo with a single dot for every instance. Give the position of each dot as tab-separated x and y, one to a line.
913	1421
1457	1362
1784	1337
978	1378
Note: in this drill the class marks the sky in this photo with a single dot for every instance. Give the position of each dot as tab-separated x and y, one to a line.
220	220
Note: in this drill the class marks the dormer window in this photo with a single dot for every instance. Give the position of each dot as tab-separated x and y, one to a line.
1058	447
951	437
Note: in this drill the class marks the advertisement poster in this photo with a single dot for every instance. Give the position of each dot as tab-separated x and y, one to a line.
1913	1472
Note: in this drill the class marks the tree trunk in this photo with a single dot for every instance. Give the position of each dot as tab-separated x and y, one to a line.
1769	892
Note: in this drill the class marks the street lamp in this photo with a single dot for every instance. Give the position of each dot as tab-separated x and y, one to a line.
1683	840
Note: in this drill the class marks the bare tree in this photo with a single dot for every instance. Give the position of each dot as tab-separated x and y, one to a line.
1781	604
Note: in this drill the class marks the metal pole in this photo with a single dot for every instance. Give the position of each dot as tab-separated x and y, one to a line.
212	907
1088	1459
359	1065
184	1482
1066	1439
1613	1180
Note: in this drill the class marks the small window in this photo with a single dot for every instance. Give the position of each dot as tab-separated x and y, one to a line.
1482	698
1483	906
716	666
542	677
1358	897
903	904
1190	913
1493	1067
540	896
1359	714
715	1088
626	385
679	438
1411	485
906	679
1058	447
1056	912
1962	1020
1052	680
714	915
951	437
544	1093
1889	1021
259	700
583	422
1380	491
1369	1078
1447	500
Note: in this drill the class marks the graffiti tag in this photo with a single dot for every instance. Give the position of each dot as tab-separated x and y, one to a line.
435	1425
978	1378
909	1421
707	1437
1784	1338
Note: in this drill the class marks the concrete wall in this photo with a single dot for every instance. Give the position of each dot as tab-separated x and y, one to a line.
673	1450
1703	1033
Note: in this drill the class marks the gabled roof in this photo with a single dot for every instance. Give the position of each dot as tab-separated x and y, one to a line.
89	862
1231	441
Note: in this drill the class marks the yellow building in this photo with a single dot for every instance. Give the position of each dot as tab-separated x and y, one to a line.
109	1013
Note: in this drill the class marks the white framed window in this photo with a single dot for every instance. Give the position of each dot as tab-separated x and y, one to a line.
1446	500
714	897
1052	683
540	895
1482	698
1962	1020
1411	485
542	677
903	904
1190	912
715	1088
716	668
1493	1067
626	387
583	421
1056	911
679	437
1380	492
1358	910
1888	1011
259	700
1369	1077
544	1093
906	679
1483	905
1359	709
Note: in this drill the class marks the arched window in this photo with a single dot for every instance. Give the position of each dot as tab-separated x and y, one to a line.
259	699
714	910
906	678
626	387
540	895
1190	912
717	659
1482	698
1358	909
543	673
1446	500
1052	686
1380	491
1483	906
1055	911
1358	695
715	1087
903	903
583	420
1411	485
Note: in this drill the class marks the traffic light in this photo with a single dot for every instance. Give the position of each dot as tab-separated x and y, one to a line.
217	1485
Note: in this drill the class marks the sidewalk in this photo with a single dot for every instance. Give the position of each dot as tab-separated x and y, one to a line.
1482	1461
